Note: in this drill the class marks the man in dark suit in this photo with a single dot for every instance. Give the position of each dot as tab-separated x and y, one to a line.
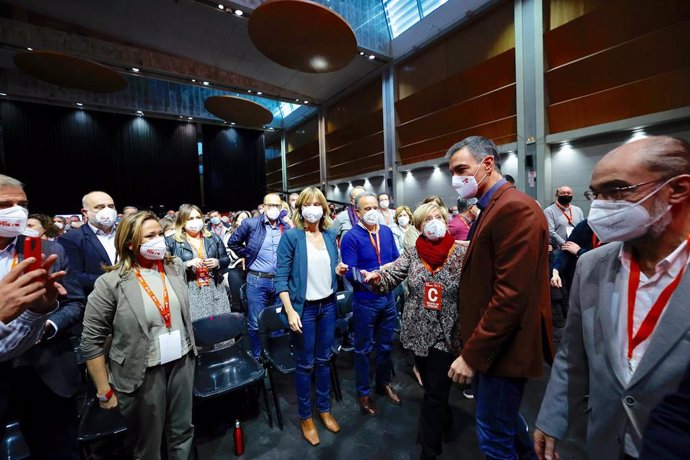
503	309
39	386
92	245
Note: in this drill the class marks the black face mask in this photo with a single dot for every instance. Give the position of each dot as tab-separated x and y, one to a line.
565	200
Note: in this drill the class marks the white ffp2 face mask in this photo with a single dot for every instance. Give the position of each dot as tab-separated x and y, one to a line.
403	221
194	225
383	204
467	186
272	213
371	217
312	214
13	221
153	249
620	220
435	229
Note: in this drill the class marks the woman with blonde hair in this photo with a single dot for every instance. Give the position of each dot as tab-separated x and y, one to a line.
402	226
206	259
306	282
142	302
429	327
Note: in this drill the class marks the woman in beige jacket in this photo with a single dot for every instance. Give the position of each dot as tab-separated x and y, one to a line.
142	302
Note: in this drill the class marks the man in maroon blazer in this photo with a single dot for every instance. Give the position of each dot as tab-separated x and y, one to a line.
503	309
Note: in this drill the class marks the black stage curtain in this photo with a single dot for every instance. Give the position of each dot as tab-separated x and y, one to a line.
62	153
234	168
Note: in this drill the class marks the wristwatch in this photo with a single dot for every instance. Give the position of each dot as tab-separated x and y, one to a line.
106	397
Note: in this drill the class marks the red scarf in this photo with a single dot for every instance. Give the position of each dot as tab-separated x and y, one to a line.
434	253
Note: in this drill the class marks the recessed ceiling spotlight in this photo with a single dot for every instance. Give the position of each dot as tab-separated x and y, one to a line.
29	49
371	57
193	80
180	117
249	90
221	7
190	118
232	123
296	100
205	83
361	53
239	12
306	102
79	104
139	112
3	94
135	69
259	93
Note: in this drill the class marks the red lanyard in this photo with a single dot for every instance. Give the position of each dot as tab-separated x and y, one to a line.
570	218
164	309
652	318
376	244
595	241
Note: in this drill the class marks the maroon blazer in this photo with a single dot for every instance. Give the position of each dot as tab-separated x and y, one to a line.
504	305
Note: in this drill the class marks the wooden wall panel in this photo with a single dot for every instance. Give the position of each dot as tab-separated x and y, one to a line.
655	94
489	35
559	12
302	157
633	65
501	131
658	52
354	133
617	22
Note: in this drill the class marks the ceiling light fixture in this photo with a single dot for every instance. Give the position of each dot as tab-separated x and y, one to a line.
135	69
190	118
239	12
139	112
232	123
249	90
193	80
206	83
371	57
79	104
221	7
30	49
361	53
3	94
306	102
259	93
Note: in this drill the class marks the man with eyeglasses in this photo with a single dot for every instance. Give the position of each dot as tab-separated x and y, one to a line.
626	339
256	240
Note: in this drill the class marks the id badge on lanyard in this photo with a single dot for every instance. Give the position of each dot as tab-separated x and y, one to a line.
433	294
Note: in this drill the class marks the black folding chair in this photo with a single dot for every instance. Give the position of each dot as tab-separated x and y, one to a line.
276	344
13	445
97	424
224	363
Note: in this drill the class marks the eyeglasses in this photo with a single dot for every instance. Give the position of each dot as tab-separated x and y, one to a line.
617	193
276	206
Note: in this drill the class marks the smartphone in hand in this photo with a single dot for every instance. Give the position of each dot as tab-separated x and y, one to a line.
32	248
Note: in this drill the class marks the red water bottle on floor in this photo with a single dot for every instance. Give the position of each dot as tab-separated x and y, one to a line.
238	437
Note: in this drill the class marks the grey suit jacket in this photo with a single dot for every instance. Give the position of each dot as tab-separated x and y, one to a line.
585	363
116	306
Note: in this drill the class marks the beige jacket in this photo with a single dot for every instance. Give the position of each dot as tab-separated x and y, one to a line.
116	307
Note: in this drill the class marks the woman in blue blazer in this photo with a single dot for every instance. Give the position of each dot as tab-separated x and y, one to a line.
306	282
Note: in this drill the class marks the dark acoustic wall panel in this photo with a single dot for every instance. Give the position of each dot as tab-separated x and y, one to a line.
234	168
62	154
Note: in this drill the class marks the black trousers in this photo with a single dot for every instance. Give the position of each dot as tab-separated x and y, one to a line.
47	421
435	416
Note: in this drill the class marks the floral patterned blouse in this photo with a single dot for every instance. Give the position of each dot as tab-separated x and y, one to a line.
423	329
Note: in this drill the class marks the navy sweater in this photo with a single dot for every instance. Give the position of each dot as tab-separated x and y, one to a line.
358	253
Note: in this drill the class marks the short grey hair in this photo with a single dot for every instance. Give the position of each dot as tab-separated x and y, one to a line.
356	189
480	147
464	205
365	195
667	155
7	181
83	200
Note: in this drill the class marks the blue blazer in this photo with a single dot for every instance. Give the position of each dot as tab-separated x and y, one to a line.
86	256
291	274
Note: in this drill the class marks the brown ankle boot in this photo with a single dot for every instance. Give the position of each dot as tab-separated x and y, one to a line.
329	422
309	431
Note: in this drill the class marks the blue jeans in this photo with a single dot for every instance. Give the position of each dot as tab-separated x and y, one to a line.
373	319
501	430
261	293
312	350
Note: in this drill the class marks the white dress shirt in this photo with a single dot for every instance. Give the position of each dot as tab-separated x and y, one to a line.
107	240
648	292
